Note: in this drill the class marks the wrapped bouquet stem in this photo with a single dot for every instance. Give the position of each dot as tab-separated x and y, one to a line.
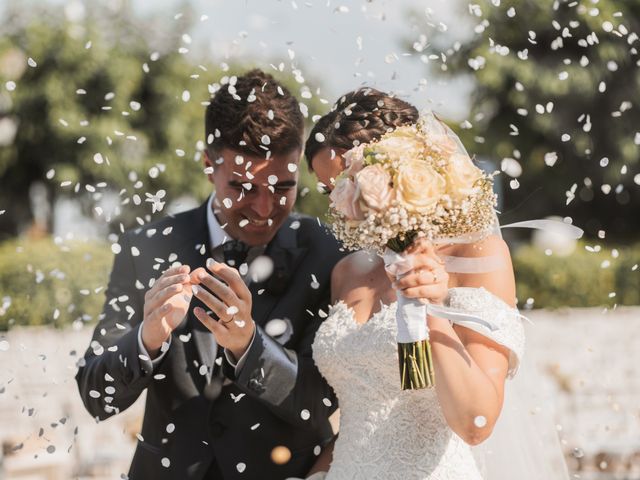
414	349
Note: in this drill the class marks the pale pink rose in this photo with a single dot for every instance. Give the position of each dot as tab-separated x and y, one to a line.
354	160
375	186
418	186
345	199
461	175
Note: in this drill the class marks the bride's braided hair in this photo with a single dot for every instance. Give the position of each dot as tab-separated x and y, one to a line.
360	116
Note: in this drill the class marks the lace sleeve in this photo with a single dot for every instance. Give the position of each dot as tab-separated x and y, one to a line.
508	331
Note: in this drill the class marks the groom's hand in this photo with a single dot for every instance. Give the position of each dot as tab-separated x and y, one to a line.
165	306
230	300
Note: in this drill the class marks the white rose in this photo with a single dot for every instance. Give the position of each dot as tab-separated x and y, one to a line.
418	185
402	143
462	176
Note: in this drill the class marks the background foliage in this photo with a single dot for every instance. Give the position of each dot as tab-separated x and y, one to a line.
39	278
552	78
111	85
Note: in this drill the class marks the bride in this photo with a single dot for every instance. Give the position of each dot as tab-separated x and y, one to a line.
386	432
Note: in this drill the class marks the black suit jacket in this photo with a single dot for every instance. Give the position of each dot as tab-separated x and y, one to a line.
278	399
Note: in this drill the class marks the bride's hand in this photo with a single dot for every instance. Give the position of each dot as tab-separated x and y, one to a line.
427	281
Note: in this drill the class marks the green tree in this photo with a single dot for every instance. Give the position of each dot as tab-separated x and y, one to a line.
107	103
555	89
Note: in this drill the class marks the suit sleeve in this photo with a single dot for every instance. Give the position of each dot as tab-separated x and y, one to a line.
112	374
287	380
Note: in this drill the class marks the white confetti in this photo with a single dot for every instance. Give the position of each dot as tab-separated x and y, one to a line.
241	467
116	248
550	158
511	167
305	414
165	462
10	85
32	63
480	421
275	327
98	158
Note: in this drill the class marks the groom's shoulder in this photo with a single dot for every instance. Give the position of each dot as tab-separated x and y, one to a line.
168	227
311	231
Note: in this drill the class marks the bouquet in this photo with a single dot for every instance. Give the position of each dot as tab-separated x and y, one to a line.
415	181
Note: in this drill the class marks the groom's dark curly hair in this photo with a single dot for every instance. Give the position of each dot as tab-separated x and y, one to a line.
253	114
360	116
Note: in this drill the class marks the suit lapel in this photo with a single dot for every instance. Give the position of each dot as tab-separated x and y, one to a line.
286	255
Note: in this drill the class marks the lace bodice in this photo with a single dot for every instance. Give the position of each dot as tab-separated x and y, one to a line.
387	433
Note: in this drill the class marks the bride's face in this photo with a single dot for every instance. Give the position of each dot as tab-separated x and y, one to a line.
327	165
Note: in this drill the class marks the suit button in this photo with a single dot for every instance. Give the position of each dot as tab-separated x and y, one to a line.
217	429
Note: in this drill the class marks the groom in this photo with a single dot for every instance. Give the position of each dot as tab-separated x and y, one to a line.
224	353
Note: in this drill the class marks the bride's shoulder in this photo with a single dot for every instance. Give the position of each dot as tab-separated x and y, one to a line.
357	273
356	263
482	264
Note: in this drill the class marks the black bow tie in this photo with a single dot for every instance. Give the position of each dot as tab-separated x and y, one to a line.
235	252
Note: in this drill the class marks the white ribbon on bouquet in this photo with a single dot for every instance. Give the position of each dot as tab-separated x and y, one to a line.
411	314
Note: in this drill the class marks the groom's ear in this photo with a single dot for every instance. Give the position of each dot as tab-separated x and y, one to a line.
208	165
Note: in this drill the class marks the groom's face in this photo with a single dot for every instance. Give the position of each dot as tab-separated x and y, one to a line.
254	196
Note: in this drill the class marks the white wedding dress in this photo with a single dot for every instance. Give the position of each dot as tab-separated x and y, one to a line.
385	432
